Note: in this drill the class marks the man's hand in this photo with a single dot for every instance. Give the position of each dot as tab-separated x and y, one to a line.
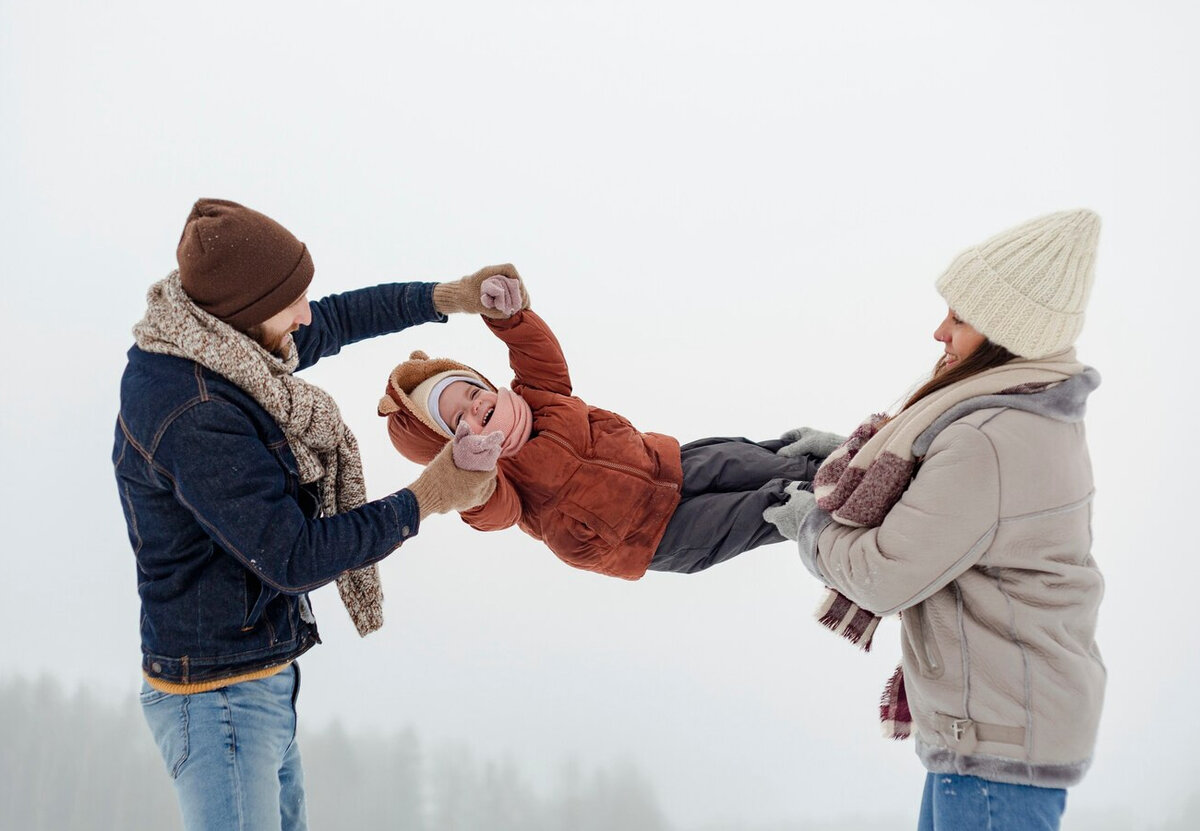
443	486
467	295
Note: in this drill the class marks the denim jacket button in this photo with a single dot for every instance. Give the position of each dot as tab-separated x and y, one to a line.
404	532
156	667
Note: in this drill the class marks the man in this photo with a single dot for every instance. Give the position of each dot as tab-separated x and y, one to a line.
242	490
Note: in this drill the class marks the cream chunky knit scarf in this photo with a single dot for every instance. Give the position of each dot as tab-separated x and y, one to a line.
325	449
860	482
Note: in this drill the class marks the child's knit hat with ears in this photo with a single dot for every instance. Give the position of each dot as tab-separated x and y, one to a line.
413	431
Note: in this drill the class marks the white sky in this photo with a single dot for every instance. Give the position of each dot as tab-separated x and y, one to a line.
732	219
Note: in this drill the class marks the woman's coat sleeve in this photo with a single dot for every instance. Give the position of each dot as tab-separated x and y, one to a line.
938	529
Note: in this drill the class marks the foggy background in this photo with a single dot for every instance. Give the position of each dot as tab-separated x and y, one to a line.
732	216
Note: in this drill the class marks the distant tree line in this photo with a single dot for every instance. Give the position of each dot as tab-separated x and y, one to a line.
75	762
72	762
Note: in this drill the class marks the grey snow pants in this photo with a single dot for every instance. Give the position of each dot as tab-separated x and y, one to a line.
727	484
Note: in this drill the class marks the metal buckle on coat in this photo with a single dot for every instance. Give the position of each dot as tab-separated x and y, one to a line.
967	732
958	728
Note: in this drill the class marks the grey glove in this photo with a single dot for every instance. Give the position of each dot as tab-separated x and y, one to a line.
808	441
788	516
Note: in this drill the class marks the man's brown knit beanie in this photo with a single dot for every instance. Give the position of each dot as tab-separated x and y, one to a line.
239	265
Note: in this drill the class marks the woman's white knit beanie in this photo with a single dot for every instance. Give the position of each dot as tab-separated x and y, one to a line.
1026	289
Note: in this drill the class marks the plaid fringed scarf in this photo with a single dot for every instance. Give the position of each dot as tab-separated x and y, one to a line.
323	445
860	481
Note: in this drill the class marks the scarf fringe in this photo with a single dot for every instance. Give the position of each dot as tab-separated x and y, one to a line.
844	617
894	715
362	595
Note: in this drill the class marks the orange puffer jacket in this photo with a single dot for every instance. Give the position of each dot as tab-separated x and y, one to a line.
588	483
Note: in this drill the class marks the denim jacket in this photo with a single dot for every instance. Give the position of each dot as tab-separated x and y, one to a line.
227	540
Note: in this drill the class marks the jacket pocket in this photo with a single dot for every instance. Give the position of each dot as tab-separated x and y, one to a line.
579	537
922	643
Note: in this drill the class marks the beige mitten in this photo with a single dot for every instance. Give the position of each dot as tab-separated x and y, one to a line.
466	295
443	487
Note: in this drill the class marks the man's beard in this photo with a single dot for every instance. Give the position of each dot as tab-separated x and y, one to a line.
276	345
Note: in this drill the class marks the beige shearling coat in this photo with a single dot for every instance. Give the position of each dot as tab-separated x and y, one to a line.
987	556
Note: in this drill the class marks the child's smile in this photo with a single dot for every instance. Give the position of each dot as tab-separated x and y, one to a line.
465	402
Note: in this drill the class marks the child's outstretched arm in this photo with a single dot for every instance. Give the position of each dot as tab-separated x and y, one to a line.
534	353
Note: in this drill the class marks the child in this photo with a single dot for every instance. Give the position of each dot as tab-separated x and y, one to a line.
602	495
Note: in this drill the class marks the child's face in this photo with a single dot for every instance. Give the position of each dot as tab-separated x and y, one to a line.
468	403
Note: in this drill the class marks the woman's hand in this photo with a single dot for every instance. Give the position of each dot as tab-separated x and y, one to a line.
807	441
788	516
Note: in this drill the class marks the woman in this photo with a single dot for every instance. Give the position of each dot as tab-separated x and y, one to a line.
969	512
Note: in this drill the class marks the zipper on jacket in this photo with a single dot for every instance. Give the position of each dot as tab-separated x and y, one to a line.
929	658
633	471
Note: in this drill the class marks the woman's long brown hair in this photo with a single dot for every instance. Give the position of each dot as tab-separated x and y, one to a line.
986	356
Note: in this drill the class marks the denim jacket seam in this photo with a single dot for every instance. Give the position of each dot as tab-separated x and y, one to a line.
398	525
202	395
213	530
232	549
125	446
170	419
131	440
133	521
266	651
395	515
201	387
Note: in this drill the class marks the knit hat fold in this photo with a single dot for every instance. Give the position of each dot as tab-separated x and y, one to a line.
1027	288
239	265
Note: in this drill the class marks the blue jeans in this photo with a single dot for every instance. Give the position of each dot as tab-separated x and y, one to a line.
232	753
967	803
